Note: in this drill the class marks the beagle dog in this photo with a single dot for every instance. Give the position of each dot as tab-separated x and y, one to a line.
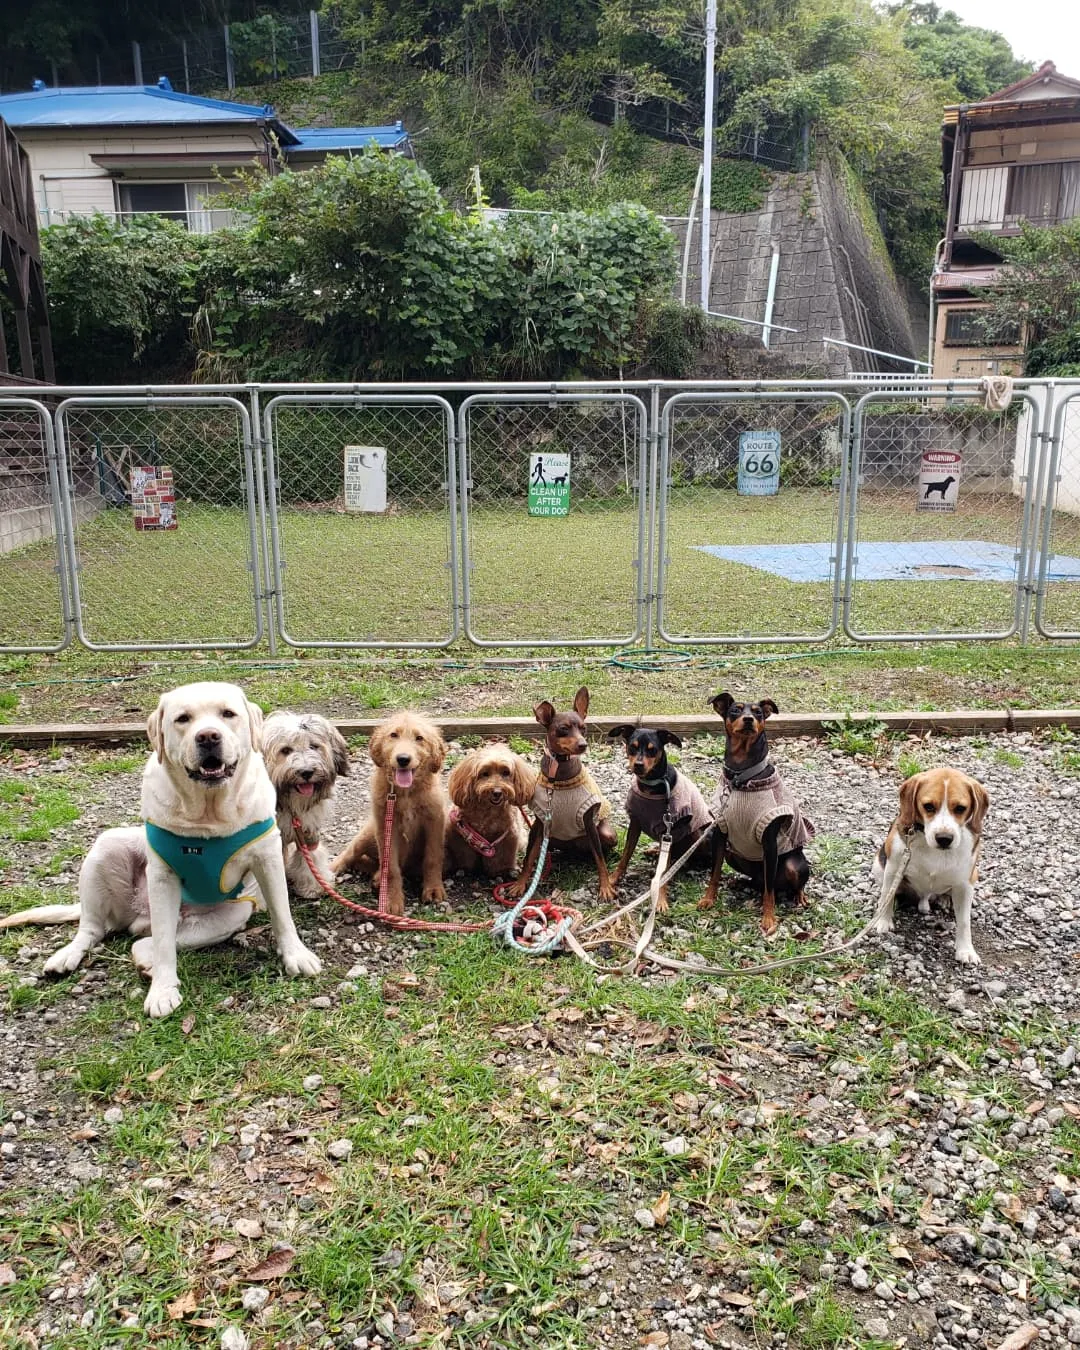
932	848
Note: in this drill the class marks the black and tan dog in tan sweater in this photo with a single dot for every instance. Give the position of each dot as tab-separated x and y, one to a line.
760	829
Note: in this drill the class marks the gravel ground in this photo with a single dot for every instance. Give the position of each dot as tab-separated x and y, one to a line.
957	1222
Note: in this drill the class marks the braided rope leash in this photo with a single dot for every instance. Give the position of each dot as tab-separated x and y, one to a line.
546	926
384	865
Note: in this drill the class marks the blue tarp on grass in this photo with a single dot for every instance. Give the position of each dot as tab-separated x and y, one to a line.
919	560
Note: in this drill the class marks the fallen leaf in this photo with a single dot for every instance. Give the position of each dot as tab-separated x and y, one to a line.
157	1074
7	1275
187	1026
661	1208
324	1183
1033	1108
736	1300
83	1135
656	1338
898	1252
1016	1340
292	1296
224	1251
277	1264
184	1306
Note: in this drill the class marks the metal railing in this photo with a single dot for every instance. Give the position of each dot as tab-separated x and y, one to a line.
537	515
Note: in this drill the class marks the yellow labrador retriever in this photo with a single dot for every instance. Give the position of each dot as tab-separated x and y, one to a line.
208	855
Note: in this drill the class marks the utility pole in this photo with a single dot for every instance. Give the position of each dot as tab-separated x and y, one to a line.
707	151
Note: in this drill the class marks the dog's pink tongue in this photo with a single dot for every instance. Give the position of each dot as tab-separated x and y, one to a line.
403	777
305	789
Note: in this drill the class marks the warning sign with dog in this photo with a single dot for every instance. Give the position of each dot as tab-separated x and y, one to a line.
939	480
549	484
759	463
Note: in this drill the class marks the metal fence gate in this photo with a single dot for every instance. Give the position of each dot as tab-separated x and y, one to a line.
1057	599
751	480
194	586
532	575
362	495
941	517
35	602
568	515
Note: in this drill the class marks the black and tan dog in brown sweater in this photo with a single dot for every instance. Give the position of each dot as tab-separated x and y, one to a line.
760	830
660	798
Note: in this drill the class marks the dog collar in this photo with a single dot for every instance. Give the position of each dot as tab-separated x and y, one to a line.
654	782
740	777
485	847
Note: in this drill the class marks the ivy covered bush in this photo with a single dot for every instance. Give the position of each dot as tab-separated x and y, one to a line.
358	269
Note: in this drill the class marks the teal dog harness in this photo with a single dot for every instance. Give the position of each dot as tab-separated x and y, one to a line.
200	863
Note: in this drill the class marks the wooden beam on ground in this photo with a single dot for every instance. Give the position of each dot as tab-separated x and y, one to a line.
964	722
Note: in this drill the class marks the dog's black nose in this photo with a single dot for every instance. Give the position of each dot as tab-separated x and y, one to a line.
208	737
403	761
497	794
944	840
307	775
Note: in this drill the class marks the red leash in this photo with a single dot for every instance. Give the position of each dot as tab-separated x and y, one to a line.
538	910
384	870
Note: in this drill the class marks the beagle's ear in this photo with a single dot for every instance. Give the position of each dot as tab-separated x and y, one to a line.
909	790
666	737
769	708
721	703
155	730
980	804
623	732
544	713
581	703
255	724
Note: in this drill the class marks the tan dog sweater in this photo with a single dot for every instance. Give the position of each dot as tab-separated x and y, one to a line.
744	813
686	806
569	802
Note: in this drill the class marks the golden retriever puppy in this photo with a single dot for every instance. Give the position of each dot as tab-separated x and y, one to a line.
408	754
305	755
486	829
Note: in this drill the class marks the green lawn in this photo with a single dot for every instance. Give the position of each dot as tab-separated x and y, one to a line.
372	577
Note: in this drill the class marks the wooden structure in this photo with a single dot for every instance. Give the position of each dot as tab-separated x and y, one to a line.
21	277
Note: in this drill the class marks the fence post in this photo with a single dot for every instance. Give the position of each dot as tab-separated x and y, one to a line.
316	62
647	566
230	68
269	578
136	61
187	70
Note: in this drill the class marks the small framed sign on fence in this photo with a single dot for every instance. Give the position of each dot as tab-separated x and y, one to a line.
549	485
153	497
365	478
939	480
759	463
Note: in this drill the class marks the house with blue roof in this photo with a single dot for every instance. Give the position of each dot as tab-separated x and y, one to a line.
128	149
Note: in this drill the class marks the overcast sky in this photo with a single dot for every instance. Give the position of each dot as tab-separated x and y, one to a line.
1037	30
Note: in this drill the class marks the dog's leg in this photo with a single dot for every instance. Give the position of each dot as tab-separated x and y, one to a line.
965	951
196	930
163	887
794	874
432	889
719	852
518	888
268	872
770	860
633	834
599	839
360	854
891	876
299	876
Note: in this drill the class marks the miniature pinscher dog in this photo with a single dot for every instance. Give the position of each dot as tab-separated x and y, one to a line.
661	798
760	829
580	817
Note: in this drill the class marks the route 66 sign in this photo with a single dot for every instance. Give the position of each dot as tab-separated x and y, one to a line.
759	463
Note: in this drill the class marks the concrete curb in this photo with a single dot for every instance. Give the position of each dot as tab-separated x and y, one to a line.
964	722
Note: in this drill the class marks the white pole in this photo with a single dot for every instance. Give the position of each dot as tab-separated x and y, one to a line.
707	151
689	236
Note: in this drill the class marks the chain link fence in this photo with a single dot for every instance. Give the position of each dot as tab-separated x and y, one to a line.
751	507
553	518
1057	605
941	517
161	520
363	520
33	579
375	517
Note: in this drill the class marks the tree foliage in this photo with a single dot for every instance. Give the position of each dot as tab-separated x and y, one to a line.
1039	287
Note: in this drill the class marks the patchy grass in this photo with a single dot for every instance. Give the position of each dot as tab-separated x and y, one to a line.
30	811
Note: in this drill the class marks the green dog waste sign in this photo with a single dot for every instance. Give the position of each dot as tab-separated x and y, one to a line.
759	463
549	485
